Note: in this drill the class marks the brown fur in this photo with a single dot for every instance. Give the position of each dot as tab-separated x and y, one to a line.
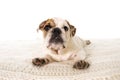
40	61
44	23
81	64
72	29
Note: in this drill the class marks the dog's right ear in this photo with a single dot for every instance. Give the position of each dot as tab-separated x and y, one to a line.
48	22
41	26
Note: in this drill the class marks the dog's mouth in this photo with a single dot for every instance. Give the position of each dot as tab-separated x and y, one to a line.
56	39
56	43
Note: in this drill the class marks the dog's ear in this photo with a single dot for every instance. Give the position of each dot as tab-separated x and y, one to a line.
46	22
41	26
72	29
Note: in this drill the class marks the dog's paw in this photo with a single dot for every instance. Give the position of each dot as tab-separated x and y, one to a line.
81	65
88	42
40	61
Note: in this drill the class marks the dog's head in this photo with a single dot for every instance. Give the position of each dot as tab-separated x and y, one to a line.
57	33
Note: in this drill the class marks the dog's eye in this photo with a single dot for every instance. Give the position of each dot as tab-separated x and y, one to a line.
65	28
47	27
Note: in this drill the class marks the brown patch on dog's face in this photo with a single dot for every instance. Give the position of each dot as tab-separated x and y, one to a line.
57	33
46	25
72	29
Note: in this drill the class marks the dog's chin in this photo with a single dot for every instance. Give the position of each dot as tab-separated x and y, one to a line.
56	46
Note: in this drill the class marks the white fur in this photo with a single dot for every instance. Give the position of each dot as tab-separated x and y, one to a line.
74	46
75	50
65	35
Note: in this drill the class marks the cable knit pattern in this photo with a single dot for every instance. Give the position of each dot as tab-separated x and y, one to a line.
16	56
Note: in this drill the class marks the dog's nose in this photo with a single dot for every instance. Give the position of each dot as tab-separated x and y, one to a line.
56	31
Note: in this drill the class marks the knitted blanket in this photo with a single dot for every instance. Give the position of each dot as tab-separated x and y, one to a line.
16	56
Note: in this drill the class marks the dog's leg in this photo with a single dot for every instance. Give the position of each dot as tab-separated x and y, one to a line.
87	42
42	61
80	62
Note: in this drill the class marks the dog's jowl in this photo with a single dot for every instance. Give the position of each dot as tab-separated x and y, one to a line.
61	44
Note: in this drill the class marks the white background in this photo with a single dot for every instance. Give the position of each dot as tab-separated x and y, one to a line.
19	19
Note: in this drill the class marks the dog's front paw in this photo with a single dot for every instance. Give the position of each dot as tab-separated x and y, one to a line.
40	61
88	42
81	64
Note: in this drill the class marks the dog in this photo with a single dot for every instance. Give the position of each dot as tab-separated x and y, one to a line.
61	44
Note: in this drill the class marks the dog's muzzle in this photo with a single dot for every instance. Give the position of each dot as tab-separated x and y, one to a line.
56	42
56	36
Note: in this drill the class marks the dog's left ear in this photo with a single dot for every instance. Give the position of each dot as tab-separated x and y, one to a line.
72	29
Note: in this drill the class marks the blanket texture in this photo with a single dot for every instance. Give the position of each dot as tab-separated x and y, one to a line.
16	56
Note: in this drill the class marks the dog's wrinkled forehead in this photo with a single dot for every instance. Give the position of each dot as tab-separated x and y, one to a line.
47	25
53	22
60	22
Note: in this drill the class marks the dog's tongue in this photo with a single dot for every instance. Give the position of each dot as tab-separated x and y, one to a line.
55	51
55	48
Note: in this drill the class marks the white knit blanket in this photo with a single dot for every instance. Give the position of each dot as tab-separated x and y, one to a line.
15	62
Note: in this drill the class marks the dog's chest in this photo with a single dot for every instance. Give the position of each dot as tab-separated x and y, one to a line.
63	55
